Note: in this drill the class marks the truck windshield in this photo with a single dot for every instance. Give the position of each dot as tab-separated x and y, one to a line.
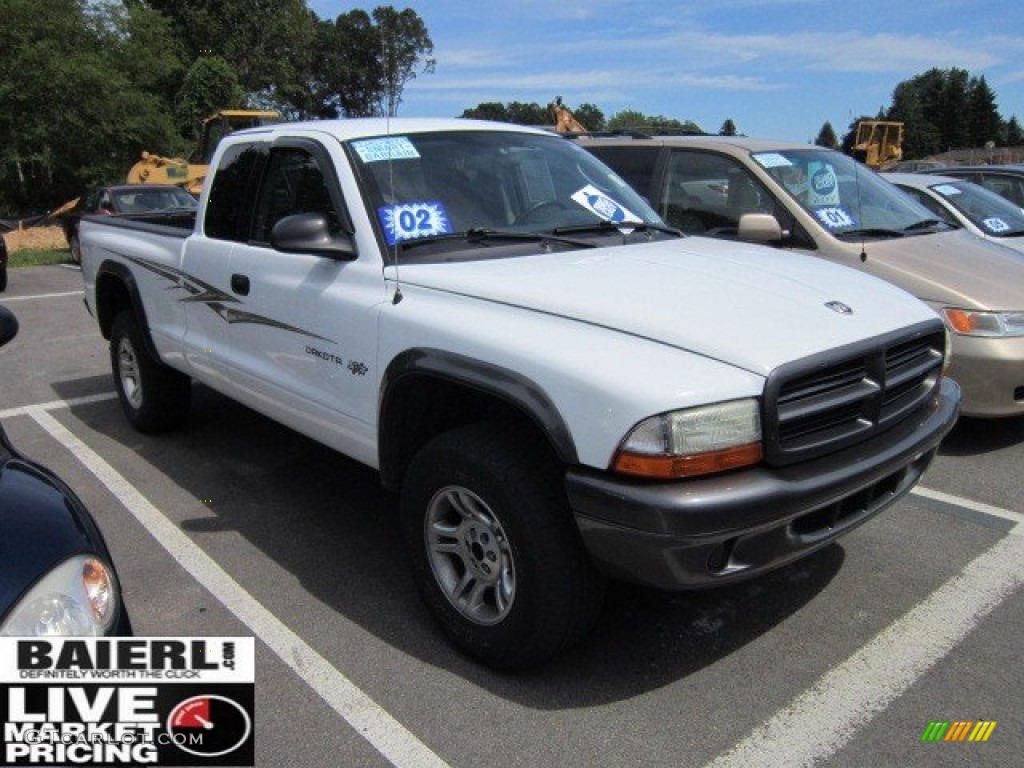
435	186
846	198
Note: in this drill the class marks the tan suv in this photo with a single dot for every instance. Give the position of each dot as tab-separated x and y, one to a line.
811	199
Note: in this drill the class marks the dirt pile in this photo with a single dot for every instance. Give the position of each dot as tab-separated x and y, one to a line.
35	238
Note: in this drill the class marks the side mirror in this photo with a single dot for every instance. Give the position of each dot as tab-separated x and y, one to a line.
8	325
310	233
760	228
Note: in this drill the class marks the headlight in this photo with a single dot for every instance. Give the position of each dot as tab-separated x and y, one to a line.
971	322
78	597
691	442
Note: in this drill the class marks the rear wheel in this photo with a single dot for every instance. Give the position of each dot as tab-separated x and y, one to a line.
155	398
494	549
76	248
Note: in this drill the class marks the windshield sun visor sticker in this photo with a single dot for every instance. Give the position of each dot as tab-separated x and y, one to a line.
771	160
946	190
390	148
823	186
835	217
408	221
995	225
603	206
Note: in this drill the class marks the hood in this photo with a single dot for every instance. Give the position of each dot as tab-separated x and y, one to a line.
953	268
750	306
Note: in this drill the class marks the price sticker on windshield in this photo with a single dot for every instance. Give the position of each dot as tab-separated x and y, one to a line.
604	207
409	221
996	225
835	217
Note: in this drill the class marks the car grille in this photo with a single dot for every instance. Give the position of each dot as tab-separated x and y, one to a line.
830	401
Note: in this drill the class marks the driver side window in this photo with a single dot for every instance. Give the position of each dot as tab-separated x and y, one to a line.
706	193
293	183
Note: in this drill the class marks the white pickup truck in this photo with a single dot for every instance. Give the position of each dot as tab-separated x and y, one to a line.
561	388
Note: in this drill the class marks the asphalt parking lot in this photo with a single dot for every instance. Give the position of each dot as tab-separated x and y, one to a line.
236	526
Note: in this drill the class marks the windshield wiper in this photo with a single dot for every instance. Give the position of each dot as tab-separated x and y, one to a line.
872	232
605	225
482	235
923	224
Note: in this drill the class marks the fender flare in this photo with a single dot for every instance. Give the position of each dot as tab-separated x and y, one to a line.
512	388
121	273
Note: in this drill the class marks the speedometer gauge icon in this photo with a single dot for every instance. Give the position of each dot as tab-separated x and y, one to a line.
209	726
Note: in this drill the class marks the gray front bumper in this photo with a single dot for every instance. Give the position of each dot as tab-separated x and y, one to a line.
716	530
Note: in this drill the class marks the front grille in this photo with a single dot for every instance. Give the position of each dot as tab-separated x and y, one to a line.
830	401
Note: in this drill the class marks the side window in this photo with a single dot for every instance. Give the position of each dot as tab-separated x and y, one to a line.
932	205
706	193
634	164
228	206
1008	187
293	183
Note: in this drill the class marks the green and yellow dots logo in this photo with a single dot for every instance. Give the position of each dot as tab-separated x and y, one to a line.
958	730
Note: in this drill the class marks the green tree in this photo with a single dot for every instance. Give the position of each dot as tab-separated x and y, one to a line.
1013	136
405	53
517	112
827	136
210	85
728	128
590	116
984	122
523	113
70	113
360	64
267	42
632	120
488	110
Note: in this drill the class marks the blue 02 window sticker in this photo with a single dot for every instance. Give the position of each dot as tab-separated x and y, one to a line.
408	221
835	217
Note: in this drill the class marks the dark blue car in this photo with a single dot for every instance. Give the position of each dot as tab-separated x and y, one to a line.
56	573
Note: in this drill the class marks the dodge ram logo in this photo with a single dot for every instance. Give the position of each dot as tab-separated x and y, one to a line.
838	306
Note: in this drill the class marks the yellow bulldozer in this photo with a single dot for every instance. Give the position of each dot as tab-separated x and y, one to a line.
878	143
190	172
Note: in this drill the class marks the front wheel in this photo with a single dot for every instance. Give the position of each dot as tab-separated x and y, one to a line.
494	549
155	398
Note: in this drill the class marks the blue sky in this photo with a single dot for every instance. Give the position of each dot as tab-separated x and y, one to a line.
778	68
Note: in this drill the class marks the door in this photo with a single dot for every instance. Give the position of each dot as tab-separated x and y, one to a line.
303	334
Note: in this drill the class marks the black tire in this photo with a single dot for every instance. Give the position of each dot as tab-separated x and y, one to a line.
486	520
3	278
155	398
76	248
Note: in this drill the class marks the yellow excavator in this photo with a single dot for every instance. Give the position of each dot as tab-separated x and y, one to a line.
189	173
878	143
565	121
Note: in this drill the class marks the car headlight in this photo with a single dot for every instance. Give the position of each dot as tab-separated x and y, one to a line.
692	442
972	322
78	597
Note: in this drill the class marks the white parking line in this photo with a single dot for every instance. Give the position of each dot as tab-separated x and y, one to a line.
43	296
974	506
54	405
814	726
822	719
389	737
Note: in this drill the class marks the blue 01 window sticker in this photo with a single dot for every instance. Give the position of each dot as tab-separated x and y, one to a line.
835	217
408	221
